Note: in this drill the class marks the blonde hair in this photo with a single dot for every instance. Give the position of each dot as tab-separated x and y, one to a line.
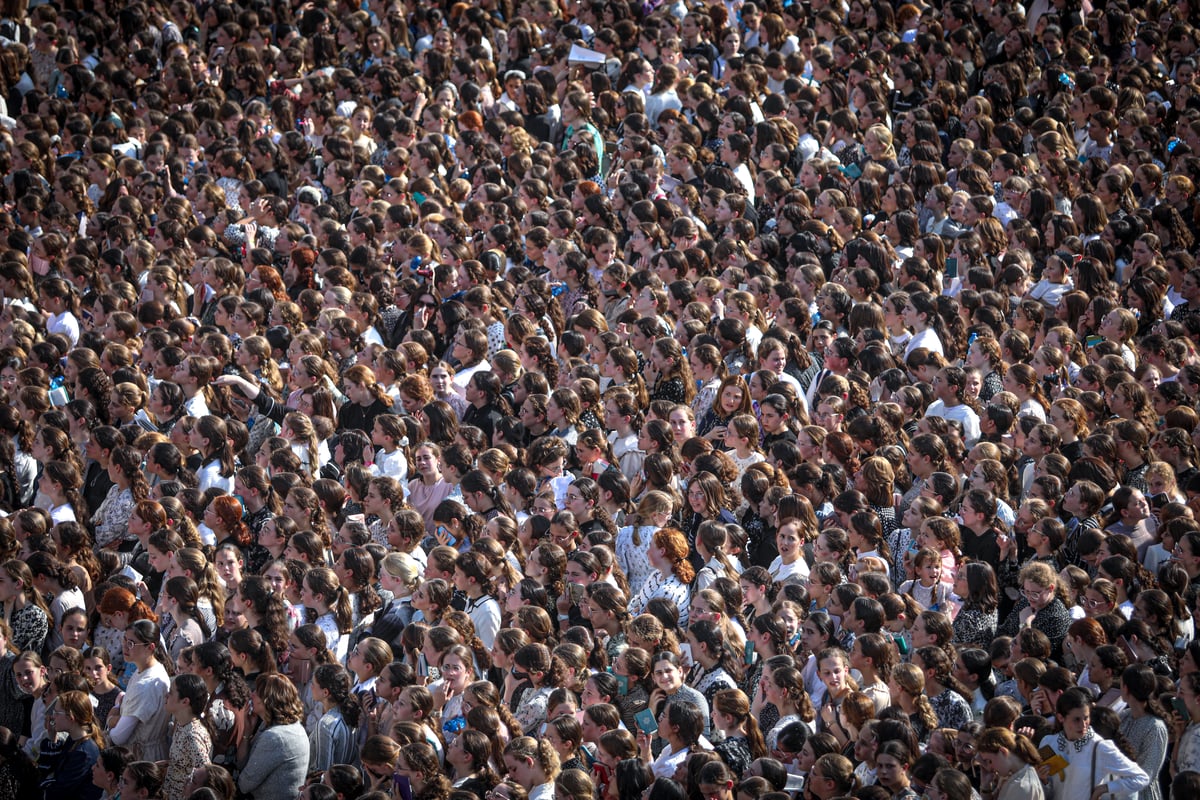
911	680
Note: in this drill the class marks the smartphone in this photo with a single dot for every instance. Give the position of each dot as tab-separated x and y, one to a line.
646	722
685	651
951	267
576	592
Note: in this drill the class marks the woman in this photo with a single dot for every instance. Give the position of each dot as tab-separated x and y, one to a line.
72	774
140	721
1039	607
1011	759
420	764
278	760
673	573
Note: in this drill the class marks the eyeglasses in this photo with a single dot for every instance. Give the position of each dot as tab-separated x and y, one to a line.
133	642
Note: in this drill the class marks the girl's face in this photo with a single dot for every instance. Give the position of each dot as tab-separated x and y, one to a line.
667	676
731	399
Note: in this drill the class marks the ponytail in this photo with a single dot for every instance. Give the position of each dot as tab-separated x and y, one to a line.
334	679
343	611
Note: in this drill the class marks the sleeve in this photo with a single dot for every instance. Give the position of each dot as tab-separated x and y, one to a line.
488	623
1152	749
265	753
322	746
145	700
1012	623
126	726
1189	753
269	408
73	772
1129	778
532	710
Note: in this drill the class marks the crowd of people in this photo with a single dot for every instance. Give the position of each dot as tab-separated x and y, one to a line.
595	400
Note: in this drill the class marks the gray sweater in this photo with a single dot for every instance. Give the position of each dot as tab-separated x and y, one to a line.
277	764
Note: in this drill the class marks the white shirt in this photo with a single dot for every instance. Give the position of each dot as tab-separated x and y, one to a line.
961	413
66	324
927	338
1122	776
780	571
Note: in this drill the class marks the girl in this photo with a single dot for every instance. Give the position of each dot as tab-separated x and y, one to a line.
333	741
975	622
733	398
24	610
833	667
428	489
1086	753
741	439
1142	723
633	541
668	555
542	672
565	735
674	373
950	699
711	542
97	668
210	437
742	740
874	656
907	688
532	763
927	588
56	583
139	722
457	668
716	666
75	760
61	483
188	627
623	416
607	609
329	602
129	486
941	535
784	689
191	743
790	561
1012	760
892	761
